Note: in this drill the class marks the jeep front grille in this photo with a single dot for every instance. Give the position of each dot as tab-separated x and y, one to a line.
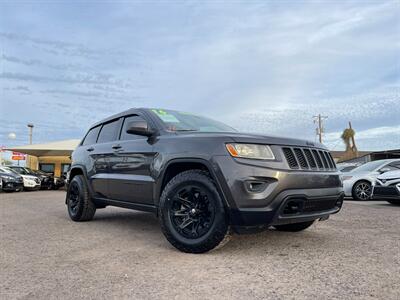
308	159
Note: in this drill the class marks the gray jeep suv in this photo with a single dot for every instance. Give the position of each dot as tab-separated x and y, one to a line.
203	179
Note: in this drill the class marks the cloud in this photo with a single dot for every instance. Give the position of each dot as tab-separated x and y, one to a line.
261	66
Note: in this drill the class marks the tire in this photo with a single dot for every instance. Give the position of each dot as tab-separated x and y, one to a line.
362	191
192	213
80	205
295	227
394	202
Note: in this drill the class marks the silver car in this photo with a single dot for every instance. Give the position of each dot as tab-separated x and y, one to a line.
358	182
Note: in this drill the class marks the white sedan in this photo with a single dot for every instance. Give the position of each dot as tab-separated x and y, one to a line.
358	182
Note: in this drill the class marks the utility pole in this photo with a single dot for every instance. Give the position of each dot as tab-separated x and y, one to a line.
320	129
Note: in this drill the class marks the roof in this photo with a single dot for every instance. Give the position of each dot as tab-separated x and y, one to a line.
59	148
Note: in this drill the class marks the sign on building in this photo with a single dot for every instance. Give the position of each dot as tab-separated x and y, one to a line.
18	156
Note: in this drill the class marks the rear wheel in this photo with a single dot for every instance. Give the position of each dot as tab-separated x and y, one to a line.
362	191
80	205
192	213
295	227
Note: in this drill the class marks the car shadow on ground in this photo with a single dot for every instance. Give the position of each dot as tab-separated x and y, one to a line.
145	226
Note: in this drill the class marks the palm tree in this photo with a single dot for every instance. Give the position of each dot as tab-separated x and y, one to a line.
348	138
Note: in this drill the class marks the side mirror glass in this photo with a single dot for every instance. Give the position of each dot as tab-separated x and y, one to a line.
139	127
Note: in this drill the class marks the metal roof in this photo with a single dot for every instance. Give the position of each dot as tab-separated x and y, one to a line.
59	148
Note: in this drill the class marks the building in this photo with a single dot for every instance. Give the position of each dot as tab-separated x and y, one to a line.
366	156
54	157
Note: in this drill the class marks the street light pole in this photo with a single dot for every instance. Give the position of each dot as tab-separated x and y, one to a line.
28	159
30	125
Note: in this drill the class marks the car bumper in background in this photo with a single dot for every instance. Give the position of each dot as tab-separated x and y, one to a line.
386	192
348	188
31	185
12	185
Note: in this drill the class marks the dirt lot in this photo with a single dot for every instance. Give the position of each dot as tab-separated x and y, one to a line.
123	254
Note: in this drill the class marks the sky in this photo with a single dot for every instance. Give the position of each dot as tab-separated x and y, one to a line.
260	66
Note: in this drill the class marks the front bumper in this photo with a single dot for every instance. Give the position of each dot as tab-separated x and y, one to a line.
31	185
259	197
12	185
386	192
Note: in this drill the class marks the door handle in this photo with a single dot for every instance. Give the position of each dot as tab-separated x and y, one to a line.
90	149
117	146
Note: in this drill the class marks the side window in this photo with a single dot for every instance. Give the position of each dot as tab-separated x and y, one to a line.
393	166
109	132
91	137
128	136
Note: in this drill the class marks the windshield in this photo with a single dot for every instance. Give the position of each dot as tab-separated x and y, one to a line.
181	121
19	170
369	167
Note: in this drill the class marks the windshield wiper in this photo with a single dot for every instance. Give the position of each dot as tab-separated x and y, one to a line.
186	130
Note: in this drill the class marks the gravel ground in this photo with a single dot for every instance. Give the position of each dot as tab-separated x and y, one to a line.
122	254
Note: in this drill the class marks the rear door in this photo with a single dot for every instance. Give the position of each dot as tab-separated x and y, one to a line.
130	166
98	144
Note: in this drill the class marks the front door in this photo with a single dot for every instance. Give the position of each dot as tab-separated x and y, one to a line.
130	167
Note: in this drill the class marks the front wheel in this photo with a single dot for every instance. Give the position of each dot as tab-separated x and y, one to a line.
295	227
80	205
362	191
192	213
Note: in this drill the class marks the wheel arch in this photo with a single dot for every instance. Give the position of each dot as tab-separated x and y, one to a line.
79	170
179	165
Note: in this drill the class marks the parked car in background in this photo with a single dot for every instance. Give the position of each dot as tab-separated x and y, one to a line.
31	181
347	167
11	181
47	180
358	182
387	187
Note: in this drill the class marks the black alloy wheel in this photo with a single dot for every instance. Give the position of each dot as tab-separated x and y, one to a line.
73	203
80	205
192	211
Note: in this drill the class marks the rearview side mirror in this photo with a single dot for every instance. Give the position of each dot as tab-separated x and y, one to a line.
139	127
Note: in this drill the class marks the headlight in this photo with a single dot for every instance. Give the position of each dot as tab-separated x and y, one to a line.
253	151
346	177
7	177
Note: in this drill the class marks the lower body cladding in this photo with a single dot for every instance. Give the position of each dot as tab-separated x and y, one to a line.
259	197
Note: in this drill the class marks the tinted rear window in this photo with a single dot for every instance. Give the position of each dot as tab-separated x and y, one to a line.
91	137
109	132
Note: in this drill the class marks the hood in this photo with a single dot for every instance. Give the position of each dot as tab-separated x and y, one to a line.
258	139
389	175
10	175
30	177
